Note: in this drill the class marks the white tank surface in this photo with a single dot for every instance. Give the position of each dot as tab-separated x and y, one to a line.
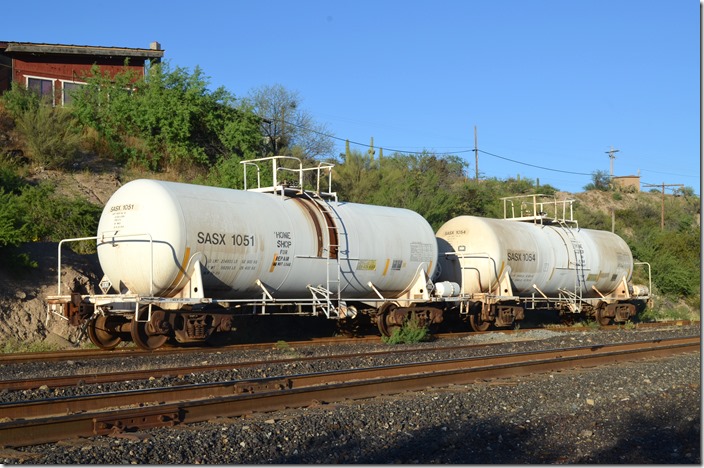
475	252
152	234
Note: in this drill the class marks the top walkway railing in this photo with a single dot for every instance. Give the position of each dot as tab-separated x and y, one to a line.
315	179
540	209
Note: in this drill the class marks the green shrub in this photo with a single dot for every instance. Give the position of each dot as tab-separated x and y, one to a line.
10	180
410	332
227	172
18	100
285	348
665	309
37	213
167	120
11	223
15	346
52	136
587	323
19	264
601	180
51	218
629	325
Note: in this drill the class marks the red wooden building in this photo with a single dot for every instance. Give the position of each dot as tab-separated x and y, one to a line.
54	69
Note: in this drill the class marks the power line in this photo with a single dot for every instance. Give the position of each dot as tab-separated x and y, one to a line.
369	146
669	173
662	210
476	152
439	154
533	165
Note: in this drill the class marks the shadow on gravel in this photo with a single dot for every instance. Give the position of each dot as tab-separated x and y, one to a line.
660	439
655	440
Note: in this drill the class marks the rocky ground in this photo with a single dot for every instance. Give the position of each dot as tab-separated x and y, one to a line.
23	291
23	314
648	411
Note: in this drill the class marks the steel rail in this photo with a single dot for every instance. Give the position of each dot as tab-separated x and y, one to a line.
45	356
194	403
123	376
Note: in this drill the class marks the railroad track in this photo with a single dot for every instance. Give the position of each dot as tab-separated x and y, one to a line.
131	351
42	421
142	374
53	356
97	377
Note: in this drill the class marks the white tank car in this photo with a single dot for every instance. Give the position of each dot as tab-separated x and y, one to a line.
153	235
477	253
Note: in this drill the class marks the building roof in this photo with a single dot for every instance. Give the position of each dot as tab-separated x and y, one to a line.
36	48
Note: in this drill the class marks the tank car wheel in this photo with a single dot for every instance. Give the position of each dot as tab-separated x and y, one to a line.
599	317
102	331
477	324
381	319
475	318
144	336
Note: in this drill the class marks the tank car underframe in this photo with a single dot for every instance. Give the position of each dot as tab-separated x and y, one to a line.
391	317
603	311
482	310
151	321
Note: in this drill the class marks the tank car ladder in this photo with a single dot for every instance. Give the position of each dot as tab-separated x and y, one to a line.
323	297
575	298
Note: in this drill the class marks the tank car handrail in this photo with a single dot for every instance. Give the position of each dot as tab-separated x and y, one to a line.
477	255
321	166
274	168
151	253
650	280
284	184
244	166
102	300
301	171
540	208
76	239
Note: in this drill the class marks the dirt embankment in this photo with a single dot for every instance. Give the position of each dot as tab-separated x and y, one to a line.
23	310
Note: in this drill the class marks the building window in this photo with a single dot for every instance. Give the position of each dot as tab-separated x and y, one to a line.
67	87
43	87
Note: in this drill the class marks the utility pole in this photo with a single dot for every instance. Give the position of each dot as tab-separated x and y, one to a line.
476	156
662	209
611	157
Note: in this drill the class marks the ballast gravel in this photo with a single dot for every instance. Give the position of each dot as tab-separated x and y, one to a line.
646	411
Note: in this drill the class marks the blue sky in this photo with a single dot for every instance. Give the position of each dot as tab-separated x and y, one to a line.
549	83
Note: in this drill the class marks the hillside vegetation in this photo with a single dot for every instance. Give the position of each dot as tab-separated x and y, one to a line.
173	127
